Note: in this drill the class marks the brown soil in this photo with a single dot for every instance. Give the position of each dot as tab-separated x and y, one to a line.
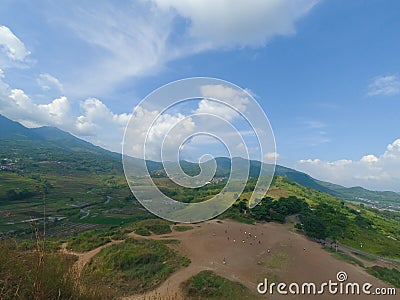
292	258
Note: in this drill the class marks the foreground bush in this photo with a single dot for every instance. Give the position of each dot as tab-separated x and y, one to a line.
208	285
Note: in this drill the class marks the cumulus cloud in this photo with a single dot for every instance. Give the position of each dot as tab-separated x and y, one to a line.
19	106
157	134
12	50
384	85
234	97
373	172
270	157
48	82
100	125
97	123
94	121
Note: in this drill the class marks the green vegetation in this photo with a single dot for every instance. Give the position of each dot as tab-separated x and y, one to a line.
89	240
208	285
236	215
183	194
155	226
94	238
183	228
133	266
269	210
391	276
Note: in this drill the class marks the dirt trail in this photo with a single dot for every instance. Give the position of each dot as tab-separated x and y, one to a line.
83	258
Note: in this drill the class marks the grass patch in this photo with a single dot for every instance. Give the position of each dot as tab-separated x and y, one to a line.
89	240
208	285
142	231
391	276
133	266
183	228
276	260
239	218
171	242
155	226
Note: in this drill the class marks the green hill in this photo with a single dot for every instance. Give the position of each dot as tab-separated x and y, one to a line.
386	199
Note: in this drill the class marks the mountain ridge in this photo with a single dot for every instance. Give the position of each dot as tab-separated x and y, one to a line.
54	138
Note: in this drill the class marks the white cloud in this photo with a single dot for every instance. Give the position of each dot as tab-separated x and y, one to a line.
373	172
19	106
130	41
314	124
95	110
140	38
234	97
369	159
158	134
270	157
225	23
384	85
47	82
12	50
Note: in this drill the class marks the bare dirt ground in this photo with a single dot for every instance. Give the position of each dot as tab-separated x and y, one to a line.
291	258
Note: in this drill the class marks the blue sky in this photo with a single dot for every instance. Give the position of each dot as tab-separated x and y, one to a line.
327	73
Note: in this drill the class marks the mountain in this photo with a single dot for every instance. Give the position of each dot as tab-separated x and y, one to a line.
51	148
45	143
66	140
47	136
14	130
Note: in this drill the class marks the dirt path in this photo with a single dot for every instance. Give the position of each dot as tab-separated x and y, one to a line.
83	258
